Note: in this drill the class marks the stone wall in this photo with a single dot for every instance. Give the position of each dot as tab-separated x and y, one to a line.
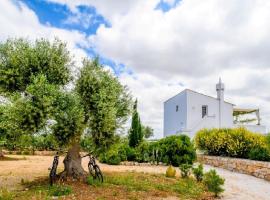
133	163
258	169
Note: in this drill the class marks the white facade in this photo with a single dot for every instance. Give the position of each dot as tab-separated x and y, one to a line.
190	111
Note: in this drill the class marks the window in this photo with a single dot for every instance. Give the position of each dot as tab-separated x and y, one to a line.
204	111
177	108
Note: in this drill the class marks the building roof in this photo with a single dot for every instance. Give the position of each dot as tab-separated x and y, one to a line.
247	110
197	93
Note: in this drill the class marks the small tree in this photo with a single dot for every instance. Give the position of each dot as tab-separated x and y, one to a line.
147	131
214	182
135	132
198	172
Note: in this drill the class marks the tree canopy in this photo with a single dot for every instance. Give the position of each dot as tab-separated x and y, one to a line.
147	131
105	100
22	60
33	76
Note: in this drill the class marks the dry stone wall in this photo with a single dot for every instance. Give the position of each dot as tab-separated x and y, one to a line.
258	169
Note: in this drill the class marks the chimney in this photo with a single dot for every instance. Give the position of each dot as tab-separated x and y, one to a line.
220	98
220	90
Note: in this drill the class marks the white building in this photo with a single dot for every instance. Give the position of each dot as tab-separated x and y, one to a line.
190	111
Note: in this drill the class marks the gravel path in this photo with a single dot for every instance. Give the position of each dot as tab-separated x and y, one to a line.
237	186
243	187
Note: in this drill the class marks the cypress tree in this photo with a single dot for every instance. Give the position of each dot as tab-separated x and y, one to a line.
135	132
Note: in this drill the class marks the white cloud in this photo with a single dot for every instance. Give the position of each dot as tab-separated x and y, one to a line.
195	43
17	20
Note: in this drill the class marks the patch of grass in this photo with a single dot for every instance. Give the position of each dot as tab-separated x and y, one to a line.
59	190
6	195
116	185
41	190
94	182
185	188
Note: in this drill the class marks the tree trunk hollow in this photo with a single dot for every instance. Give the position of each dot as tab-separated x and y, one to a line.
73	165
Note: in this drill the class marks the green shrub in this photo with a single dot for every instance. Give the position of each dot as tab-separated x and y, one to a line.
268	140
213	182
185	170
259	153
142	152
236	142
110	157
176	150
119	152
131	154
59	190
198	172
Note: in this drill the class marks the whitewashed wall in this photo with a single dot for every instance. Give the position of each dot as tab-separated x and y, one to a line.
189	119
175	122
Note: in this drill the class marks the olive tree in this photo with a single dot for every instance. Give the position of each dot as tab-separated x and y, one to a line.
33	78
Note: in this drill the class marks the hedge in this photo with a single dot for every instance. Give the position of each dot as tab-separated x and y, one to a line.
238	142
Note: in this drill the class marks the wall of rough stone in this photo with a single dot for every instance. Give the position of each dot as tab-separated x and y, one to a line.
251	167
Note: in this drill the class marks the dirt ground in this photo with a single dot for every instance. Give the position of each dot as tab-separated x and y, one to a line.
28	168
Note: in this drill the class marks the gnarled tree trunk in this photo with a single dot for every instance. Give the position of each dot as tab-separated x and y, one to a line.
73	165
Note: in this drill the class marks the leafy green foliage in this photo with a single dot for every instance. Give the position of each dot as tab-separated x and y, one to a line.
21	60
135	132
111	157
117	153
69	118
32	76
173	150
268	140
87	143
214	182
45	142
142	152
176	150
259	153
236	142
106	102
198	172
147	131
185	170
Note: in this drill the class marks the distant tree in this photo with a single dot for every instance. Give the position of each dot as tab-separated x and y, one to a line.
135	132
147	131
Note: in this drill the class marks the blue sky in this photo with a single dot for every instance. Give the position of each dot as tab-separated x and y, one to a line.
57	15
86	19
